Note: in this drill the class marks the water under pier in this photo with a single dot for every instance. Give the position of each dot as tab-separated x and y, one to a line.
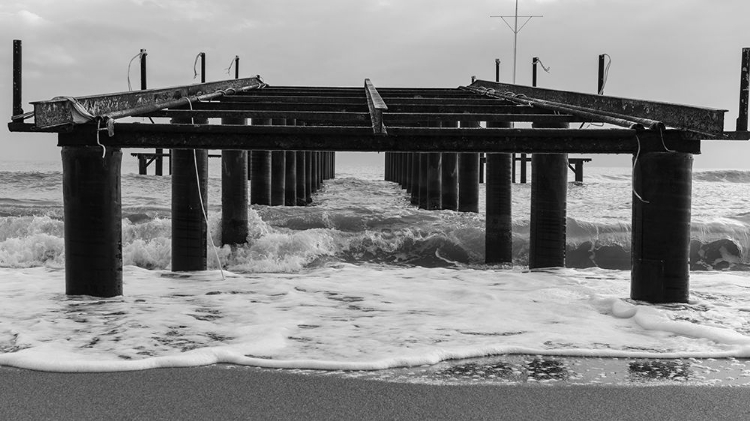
281	140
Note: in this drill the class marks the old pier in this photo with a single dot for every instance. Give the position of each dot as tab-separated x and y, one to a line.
285	138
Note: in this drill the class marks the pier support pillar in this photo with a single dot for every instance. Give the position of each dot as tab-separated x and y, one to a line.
278	178
309	184
449	174
498	222
234	200
661	227
189	199
468	177
260	168
93	220
549	194
300	173
290	189
434	188
414	178
423	169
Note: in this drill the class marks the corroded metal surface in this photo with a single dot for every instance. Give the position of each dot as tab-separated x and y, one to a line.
403	139
60	111
696	119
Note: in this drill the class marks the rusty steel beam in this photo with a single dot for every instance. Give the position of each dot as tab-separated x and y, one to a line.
308	99
400	139
62	111
504	117
701	120
377	106
333	116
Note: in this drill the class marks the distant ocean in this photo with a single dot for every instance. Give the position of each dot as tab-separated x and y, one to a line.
362	280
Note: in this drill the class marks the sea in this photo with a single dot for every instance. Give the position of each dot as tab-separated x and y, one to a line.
361	281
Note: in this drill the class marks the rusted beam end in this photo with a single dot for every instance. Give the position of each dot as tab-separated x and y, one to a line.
705	121
376	105
62	111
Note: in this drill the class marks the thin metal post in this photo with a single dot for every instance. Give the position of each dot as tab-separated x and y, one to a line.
17	78
203	67
497	70
744	90
533	70
236	67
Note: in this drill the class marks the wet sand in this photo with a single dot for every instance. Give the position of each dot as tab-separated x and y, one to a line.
234	393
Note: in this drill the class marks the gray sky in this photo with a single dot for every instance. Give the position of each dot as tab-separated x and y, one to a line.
681	51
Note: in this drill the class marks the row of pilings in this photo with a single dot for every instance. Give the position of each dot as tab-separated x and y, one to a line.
662	183
93	212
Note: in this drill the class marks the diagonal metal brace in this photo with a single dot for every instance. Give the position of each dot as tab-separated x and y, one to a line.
376	105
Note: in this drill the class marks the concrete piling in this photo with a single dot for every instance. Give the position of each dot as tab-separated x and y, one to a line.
93	220
234	197
662	184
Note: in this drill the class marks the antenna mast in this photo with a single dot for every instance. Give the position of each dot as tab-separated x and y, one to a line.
515	30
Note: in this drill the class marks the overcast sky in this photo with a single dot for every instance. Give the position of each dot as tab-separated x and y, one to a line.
681	51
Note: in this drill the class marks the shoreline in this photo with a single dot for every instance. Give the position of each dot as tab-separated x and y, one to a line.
231	392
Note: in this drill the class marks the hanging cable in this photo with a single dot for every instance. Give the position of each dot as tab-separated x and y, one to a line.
546	69
635	162
140	54
195	66
231	64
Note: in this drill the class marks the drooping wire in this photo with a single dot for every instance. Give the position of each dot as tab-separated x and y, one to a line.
546	69
200	198
635	162
231	64
605	76
195	66
140	54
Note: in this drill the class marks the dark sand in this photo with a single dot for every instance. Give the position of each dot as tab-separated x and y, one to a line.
233	393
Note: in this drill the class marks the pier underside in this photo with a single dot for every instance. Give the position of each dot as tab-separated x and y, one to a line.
485	117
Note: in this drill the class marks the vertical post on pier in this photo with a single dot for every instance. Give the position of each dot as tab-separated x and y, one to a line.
387	170
278	171
189	199
234	200
449	175
498	221
300	179
434	181
315	167
260	180
423	179
93	220
290	189
17	80
408	171
309	176
497	70
414	178
549	191
468	177
661	227
236	67
744	90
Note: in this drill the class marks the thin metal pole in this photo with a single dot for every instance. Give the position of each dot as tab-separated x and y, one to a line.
744	90
17	74
236	67
143	69
533	71
515	43
497	70
203	67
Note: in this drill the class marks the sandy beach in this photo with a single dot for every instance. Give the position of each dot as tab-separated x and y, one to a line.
234	393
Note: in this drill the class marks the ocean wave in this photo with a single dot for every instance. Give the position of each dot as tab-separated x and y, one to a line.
722	176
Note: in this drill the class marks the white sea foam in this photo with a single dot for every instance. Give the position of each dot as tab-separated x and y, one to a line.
359	317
